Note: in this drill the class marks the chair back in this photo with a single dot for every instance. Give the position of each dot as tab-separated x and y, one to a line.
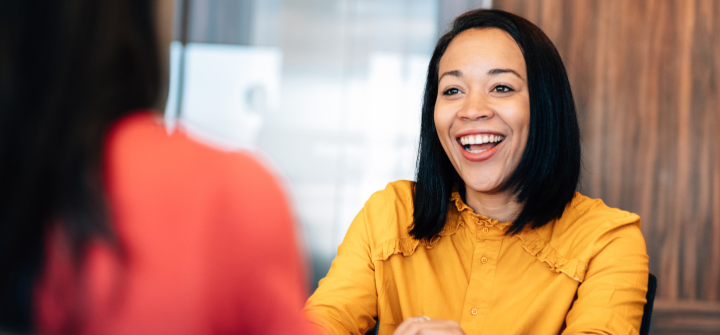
373	331
647	311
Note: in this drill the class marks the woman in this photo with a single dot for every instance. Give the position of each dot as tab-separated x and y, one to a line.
492	238
108	224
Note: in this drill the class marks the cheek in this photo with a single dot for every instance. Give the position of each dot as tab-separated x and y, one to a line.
516	116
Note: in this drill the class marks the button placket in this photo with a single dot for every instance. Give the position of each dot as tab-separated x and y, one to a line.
480	288
484	232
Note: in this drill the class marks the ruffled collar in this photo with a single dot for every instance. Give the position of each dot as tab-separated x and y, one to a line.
461	212
532	241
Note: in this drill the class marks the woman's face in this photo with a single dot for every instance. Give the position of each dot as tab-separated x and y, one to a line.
482	113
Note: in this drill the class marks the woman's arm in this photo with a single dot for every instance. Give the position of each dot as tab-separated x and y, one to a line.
612	297
346	299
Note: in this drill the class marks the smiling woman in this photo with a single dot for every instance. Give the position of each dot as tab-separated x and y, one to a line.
492	237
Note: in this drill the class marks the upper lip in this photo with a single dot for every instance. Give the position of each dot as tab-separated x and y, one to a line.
478	132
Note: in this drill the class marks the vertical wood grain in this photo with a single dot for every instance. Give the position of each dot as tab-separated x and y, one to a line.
646	80
649	95
714	271
684	222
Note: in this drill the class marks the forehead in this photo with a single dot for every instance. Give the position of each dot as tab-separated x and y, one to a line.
483	49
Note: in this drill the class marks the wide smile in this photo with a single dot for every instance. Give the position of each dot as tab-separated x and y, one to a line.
479	147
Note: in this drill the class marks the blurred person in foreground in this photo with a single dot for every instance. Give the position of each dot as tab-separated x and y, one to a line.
492	237
108	224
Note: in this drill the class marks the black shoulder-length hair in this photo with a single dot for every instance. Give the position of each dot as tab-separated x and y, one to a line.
547	175
68	70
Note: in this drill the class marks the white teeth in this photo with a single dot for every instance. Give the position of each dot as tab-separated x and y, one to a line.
480	139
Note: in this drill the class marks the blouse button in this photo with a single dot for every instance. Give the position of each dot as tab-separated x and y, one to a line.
473	311
484	260
486	230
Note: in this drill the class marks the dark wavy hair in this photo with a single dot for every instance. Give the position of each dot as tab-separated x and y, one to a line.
68	70
547	175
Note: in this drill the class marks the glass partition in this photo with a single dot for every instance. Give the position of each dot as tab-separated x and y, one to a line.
328	92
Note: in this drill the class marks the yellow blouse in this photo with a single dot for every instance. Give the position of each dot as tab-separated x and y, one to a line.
585	273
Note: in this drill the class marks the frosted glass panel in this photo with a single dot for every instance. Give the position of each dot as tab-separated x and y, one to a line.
328	91
228	91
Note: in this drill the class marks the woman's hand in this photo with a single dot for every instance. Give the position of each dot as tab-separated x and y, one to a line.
423	325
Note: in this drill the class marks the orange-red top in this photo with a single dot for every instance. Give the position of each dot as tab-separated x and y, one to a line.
207	241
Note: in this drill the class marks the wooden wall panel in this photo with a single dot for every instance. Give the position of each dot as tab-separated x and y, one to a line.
646	79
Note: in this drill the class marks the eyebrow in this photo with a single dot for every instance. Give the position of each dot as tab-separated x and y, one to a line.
454	73
500	71
493	72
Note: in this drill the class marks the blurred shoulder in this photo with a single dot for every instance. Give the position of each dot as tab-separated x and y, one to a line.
142	139
141	154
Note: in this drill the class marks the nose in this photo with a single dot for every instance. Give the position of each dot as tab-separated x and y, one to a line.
477	106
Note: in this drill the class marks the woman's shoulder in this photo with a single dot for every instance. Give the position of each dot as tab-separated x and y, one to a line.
391	207
139	146
586	219
398	192
143	134
387	217
585	228
584	210
175	171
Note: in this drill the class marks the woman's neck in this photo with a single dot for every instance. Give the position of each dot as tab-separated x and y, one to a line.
500	206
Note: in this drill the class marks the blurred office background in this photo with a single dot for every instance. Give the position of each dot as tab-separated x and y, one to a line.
329	91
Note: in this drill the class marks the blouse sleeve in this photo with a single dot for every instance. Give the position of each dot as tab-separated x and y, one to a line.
612	297
346	299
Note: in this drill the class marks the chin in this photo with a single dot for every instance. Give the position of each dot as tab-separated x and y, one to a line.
484	186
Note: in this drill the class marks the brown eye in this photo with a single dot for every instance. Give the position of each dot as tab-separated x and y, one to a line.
502	89
451	91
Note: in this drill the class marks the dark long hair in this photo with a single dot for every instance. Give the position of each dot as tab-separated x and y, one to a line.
68	70
547	175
